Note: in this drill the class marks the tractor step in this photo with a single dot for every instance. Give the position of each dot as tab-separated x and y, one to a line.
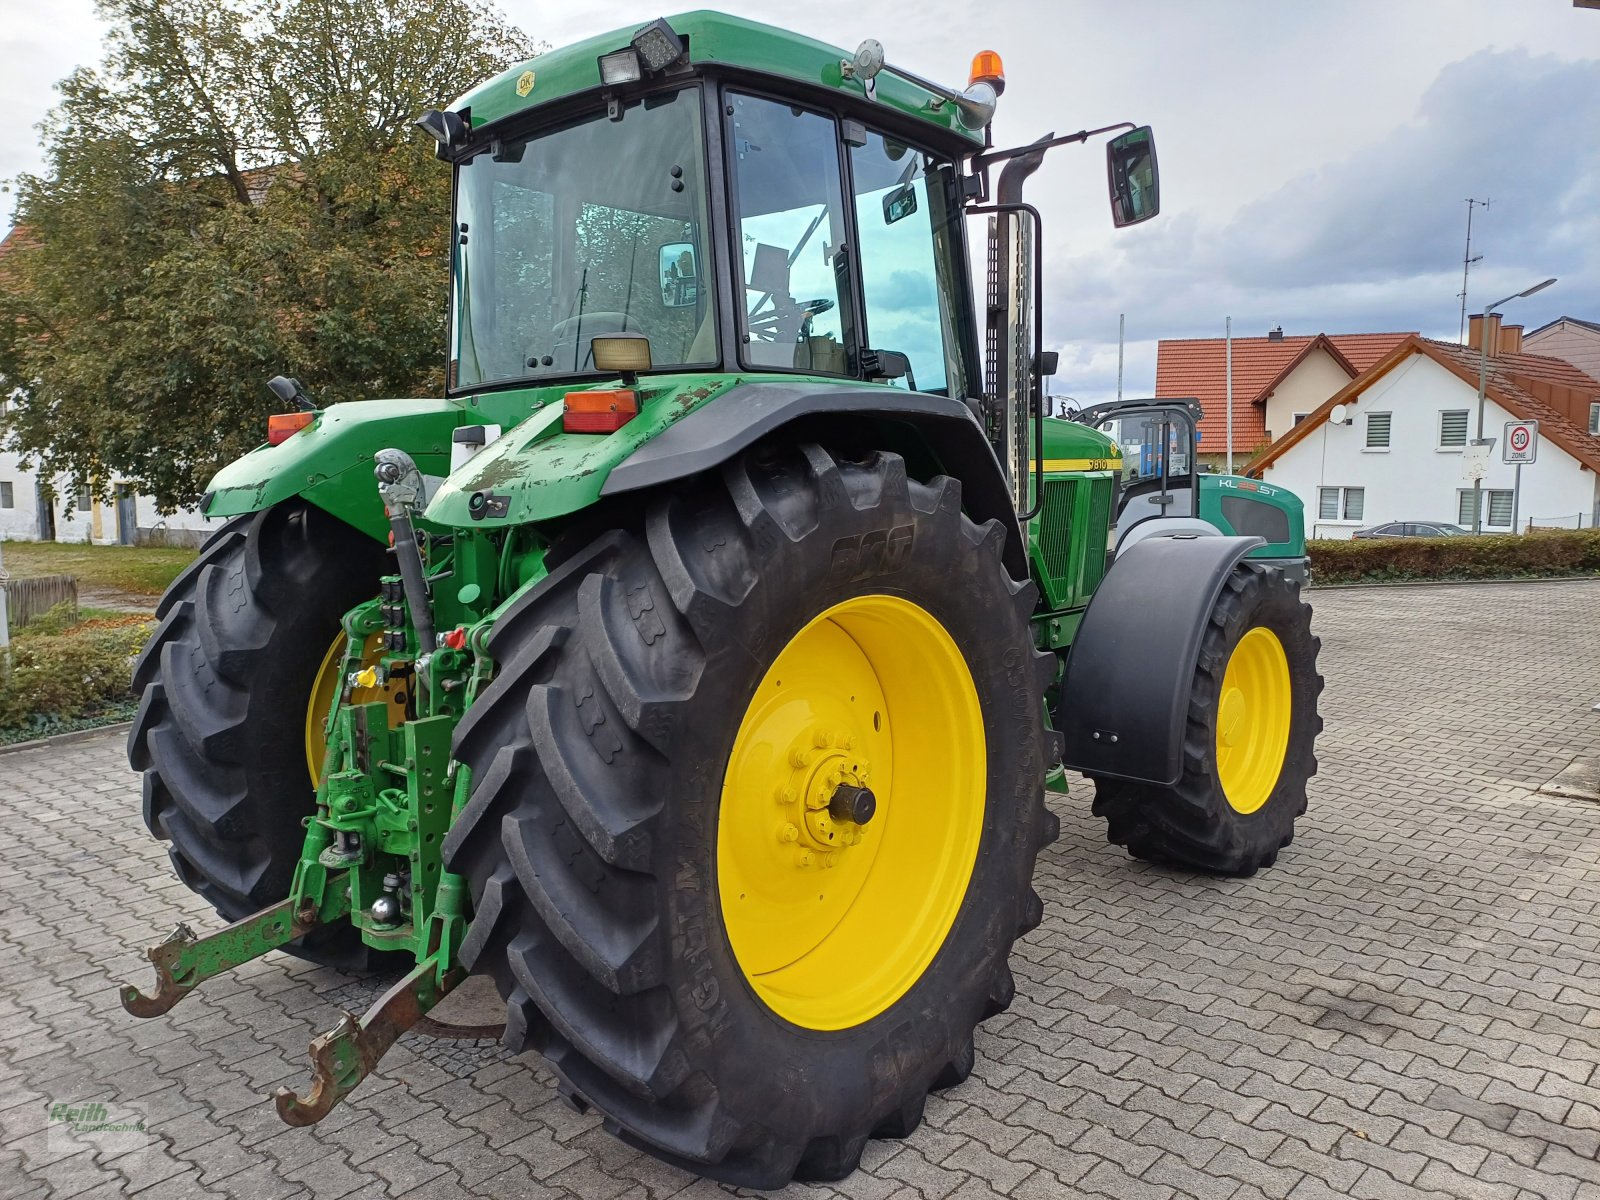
184	960
347	1053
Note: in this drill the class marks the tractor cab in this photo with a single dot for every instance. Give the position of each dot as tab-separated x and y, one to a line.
800	225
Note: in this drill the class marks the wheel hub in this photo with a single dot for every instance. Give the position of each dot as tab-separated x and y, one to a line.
823	764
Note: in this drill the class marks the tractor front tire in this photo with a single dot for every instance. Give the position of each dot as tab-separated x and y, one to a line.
744	978
1249	744
224	684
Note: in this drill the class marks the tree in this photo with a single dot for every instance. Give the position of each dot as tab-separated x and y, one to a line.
236	192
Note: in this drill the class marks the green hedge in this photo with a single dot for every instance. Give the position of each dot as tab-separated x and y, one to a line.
61	673
1489	556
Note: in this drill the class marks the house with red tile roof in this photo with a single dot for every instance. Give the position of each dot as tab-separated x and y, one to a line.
1276	380
1390	445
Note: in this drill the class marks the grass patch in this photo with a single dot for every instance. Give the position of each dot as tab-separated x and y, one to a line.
1551	554
143	570
67	674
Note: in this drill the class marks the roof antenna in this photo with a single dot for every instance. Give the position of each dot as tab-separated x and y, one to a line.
1466	265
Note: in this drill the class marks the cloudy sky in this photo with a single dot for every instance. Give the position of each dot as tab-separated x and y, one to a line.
1315	157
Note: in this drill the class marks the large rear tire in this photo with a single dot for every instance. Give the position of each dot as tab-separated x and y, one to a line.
224	685
641	836
1250	742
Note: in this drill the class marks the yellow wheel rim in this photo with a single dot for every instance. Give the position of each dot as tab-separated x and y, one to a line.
832	921
1253	712
325	690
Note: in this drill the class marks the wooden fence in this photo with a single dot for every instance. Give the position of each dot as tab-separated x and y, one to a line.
27	599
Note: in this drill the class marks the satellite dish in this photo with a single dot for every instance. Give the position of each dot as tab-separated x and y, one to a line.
1336	414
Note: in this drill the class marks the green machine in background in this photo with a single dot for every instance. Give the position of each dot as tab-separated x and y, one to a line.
1162	491
693	668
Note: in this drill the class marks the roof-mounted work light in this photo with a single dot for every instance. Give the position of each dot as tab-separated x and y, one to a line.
658	45
620	66
446	128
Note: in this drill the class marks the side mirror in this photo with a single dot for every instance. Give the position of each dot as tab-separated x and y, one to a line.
1131	171
680	280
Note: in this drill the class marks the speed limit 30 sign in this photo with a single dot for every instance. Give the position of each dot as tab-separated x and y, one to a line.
1521	443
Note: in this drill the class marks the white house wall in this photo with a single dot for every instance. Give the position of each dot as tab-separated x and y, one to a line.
20	522
1414	480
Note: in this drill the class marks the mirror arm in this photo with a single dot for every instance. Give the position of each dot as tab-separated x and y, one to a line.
984	161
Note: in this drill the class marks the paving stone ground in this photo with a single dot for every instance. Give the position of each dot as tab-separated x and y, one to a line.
1408	1004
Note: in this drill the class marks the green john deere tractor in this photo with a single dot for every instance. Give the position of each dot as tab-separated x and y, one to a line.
695	667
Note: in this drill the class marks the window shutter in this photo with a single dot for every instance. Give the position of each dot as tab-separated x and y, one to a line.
1328	504
1464	509
1453	428
1500	508
1378	431
1355	501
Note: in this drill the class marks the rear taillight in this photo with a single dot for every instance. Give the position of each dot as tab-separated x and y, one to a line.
283	426
602	411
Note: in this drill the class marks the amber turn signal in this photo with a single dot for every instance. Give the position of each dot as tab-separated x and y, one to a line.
283	426
604	410
987	68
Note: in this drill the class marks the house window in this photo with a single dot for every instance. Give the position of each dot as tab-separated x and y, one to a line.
7	497
1499	503
1500	509
1453	429
1594	418
85	500
1341	504
1378	431
1298	417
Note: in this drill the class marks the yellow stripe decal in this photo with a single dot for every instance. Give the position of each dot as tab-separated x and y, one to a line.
1083	464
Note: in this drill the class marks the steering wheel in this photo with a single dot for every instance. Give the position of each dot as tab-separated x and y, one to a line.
565	335
789	320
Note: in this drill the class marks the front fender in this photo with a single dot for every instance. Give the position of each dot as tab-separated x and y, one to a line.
1125	694
330	461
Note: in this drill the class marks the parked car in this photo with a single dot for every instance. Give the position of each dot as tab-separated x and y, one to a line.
1399	529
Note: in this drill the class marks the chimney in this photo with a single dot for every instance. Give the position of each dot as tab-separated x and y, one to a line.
1511	339
1475	333
1275	335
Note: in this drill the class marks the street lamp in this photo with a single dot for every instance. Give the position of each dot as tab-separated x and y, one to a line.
1483	386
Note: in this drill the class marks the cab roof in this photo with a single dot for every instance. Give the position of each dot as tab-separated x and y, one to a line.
715	40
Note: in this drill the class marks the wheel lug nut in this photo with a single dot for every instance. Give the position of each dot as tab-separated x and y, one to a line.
788	832
797	757
803	858
822	740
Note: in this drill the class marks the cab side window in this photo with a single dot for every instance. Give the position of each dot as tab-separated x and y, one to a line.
791	230
908	228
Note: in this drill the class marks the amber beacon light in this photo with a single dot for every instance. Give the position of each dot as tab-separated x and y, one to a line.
987	68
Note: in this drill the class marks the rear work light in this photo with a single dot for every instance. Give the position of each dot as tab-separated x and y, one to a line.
283	426
605	410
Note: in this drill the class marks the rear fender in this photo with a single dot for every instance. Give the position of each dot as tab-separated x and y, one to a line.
330	461
1125	695
941	429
